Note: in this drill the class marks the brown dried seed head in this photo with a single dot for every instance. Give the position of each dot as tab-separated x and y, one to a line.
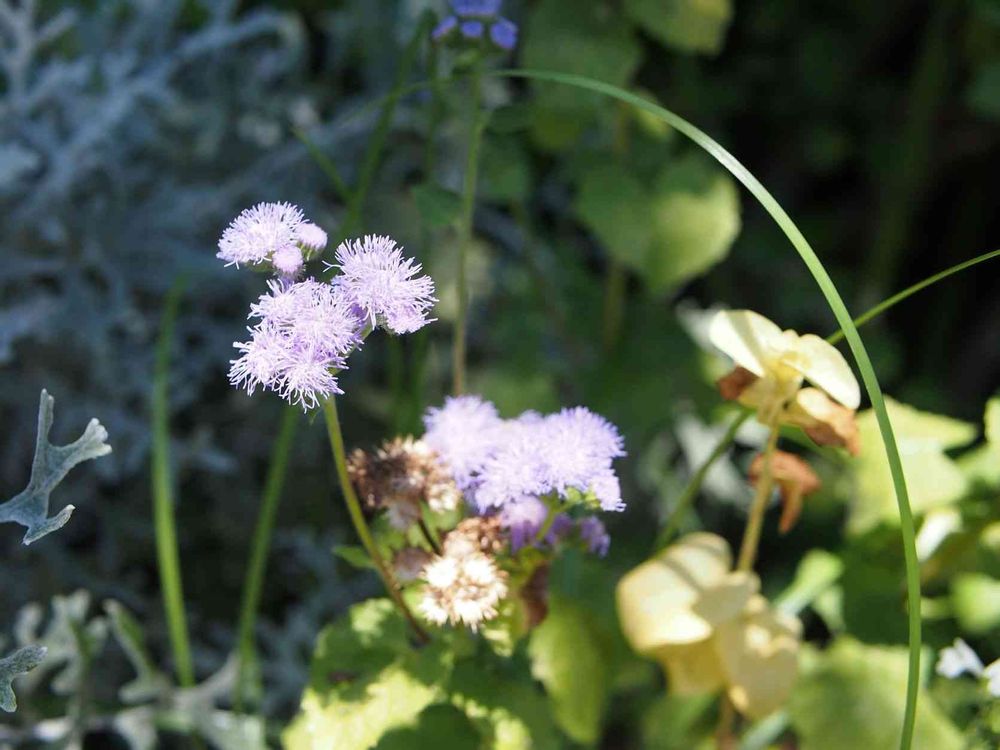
795	479
400	475
480	533
824	420
731	386
463	586
409	562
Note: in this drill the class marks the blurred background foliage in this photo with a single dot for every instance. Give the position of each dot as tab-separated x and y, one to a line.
131	131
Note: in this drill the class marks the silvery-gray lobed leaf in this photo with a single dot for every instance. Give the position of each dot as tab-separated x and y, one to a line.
51	464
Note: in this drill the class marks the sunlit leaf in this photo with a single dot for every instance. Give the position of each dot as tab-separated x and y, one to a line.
696	218
933	478
568	658
852	696
686	25
51	464
976	602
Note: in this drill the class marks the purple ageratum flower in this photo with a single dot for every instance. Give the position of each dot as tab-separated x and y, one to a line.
476	8
385	287
594	535
259	232
304	332
503	34
463	433
444	29
472	29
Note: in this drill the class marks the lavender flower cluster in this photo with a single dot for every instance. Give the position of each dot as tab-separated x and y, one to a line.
472	19
306	329
525	468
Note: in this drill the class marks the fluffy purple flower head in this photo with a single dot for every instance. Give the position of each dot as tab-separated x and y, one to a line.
496	462
594	535
303	334
472	29
463	434
275	235
386	288
259	232
476	8
503	34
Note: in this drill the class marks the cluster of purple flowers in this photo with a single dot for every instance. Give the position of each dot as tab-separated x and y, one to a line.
475	20
520	468
305	330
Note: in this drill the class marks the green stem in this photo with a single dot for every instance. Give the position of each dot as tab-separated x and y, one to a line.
614	303
546	527
168	558
358	517
755	521
694	484
465	233
254	581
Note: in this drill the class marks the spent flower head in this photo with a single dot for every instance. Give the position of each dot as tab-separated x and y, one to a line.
385	287
463	586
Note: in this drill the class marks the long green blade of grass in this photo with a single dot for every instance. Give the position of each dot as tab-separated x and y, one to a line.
843	317
167	555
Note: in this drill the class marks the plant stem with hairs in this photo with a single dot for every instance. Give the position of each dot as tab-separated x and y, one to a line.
358	517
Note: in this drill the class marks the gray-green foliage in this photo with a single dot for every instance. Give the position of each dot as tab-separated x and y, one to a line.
23	660
30	508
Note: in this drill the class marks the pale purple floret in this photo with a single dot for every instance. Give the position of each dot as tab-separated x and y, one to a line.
503	34
311	236
259	232
479	8
288	261
523	519
303	334
386	288
472	29
444	28
463	433
594	535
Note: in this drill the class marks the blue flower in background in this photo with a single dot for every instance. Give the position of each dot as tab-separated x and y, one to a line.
472	19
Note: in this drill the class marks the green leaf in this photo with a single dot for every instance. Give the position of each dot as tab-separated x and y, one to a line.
355	555
508	711
443	727
614	205
505	171
437	206
933	478
366	681
568	658
50	466
976	602
816	573
982	464
590	39
21	661
983	96
685	25
852	696
695	213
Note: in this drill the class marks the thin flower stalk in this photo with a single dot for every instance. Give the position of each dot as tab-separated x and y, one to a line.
329	407
755	522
